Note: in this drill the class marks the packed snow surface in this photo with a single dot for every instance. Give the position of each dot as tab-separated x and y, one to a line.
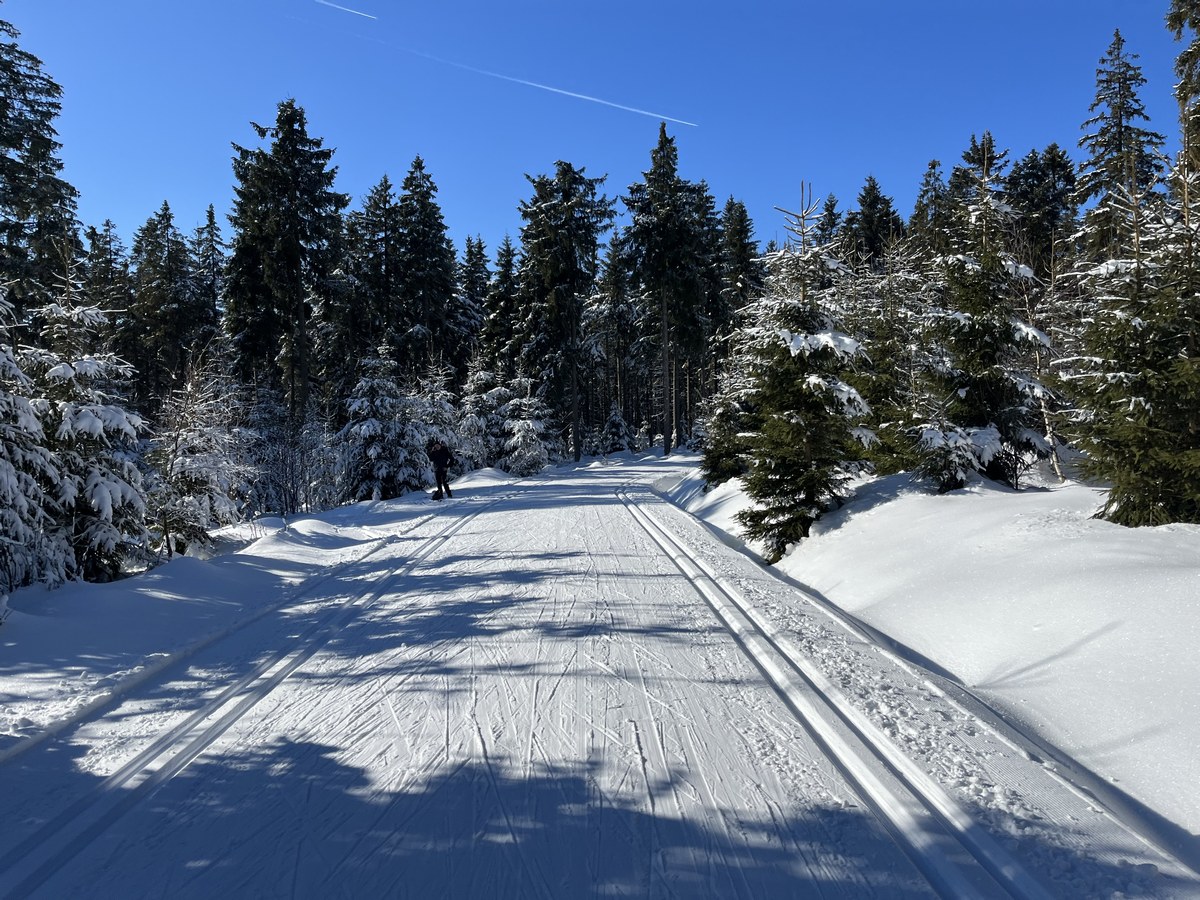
1084	631
519	693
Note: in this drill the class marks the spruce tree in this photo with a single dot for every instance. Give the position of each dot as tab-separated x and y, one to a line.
99	502
480	425
464	318
28	474
425	272
164	325
668	242
986	416
1183	20
196	462
872	228
1041	189
286	244
1123	156
730	414
208	261
830	222
742	271
106	274
883	305
1138	377
528	448
560	242
373	261
107	281
929	224
622	367
497	348
368	446
798	357
37	206
361	308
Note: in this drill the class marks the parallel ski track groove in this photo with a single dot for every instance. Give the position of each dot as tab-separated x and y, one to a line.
782	664
63	837
101	704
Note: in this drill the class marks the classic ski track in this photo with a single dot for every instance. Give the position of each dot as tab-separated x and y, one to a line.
158	672
31	862
766	649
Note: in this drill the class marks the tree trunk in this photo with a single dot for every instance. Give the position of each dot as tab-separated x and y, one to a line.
668	398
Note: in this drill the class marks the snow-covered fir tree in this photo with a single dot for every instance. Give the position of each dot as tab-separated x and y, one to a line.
28	475
367	447
985	412
798	359
1139	378
196	462
481	423
616	436
884	302
97	495
525	447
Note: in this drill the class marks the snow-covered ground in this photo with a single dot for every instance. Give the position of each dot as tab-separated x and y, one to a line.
1084	633
526	692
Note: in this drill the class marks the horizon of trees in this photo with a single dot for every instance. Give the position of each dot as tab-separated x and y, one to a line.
1027	309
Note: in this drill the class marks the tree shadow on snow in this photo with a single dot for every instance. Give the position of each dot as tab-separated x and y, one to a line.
294	818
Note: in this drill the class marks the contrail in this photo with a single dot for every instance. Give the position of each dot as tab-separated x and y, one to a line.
345	9
545	87
532	84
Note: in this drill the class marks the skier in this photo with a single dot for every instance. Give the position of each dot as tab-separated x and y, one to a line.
442	459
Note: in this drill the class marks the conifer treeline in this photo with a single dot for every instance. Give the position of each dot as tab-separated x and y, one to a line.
149	393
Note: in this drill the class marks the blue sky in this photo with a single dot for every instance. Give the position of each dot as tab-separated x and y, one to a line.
780	93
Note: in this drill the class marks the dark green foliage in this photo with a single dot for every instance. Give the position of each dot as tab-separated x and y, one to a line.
741	270
830	222
1183	19
106	277
464	318
1041	190
286	244
929	225
37	207
885	306
169	321
425	279
357	315
373	260
1123	156
1140	380
496	344
729	421
985	412
669	246
799	454
564	221
872	228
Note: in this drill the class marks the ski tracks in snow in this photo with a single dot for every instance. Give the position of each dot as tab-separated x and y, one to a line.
1035	834
568	692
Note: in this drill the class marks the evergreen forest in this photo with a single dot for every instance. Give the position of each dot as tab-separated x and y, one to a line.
302	349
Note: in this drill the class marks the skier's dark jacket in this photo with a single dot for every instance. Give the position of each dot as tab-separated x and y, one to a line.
441	457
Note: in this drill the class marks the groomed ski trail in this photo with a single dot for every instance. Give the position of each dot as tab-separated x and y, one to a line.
539	705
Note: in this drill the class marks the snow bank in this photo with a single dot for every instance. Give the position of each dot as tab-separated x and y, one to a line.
1084	631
